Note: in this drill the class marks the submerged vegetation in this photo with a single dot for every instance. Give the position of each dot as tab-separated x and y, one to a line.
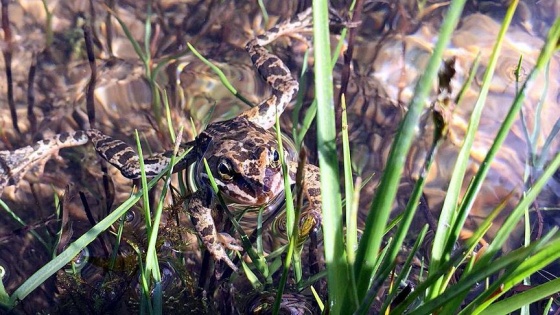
374	268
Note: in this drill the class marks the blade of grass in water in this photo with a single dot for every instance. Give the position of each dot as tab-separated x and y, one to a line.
152	263
74	248
506	263
6	208
486	259
221	75
351	205
292	218
4	297
477	182
387	189
528	267
546	54
48	25
335	257
515	302
144	183
445	237
144	55
455	260
312	110
400	277
389	262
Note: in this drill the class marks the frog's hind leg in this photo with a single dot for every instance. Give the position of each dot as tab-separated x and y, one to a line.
15	164
274	71
123	157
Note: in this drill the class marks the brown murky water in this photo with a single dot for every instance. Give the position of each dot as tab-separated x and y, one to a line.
392	48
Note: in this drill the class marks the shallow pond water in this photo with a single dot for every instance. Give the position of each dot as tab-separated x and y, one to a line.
390	53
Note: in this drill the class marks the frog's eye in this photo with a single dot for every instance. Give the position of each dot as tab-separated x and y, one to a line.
225	170
275	158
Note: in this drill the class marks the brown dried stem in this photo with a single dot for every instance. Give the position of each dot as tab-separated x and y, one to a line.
8	62
31	94
90	106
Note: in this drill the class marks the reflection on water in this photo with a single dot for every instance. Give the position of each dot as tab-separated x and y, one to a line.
387	68
398	63
392	49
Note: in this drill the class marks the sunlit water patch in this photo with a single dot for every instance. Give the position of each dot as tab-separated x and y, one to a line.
386	70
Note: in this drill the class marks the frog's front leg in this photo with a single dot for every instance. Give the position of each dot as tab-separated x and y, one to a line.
201	215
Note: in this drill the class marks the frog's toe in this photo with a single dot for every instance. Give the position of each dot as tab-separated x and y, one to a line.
225	258
310	221
217	250
229	242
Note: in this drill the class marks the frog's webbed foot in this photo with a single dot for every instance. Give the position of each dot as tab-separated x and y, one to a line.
311	217
215	242
123	157
229	241
15	164
301	23
312	191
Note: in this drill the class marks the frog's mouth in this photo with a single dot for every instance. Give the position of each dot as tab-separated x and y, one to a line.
242	190
250	193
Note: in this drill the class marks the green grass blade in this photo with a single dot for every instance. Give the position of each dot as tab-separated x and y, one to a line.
148	31
335	256
515	302
74	248
401	275
71	251
292	219
497	287
533	264
152	263
221	75
386	192
14	216
473	189
352	204
312	110
144	181
444	239
525	202
506	262
129	36
4	297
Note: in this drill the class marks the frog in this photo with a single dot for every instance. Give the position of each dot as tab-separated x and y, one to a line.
242	153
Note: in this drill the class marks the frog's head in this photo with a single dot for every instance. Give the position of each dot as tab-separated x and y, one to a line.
247	172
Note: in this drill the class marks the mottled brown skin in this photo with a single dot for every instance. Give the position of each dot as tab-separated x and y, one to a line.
241	153
15	164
